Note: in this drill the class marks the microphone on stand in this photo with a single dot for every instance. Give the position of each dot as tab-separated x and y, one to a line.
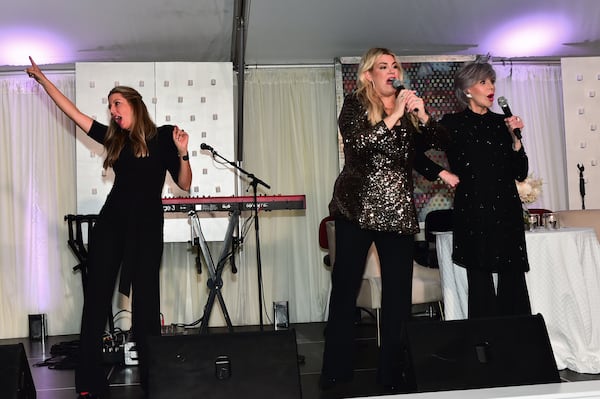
205	146
581	184
506	109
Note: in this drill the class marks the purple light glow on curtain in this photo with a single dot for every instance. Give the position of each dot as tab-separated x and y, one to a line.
37	238
526	36
17	44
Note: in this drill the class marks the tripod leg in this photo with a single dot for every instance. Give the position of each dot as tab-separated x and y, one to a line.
224	309
214	280
208	309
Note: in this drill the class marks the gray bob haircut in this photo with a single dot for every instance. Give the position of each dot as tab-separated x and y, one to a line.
469	74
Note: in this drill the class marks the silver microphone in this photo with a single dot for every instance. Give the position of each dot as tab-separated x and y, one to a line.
506	109
397	84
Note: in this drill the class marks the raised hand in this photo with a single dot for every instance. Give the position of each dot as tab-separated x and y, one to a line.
180	138
34	71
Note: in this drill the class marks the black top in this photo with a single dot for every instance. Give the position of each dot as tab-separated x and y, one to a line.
134	204
141	180
488	217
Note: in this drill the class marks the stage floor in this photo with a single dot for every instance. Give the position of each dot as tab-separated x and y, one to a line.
124	382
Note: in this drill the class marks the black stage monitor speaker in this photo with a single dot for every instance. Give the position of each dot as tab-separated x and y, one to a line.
480	353
15	375
219	366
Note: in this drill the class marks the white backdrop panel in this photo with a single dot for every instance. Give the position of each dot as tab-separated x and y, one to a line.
197	97
581	92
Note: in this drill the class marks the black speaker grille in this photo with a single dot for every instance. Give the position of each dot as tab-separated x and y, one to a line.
480	353
249	365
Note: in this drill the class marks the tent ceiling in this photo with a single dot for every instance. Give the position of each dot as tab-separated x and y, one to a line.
293	32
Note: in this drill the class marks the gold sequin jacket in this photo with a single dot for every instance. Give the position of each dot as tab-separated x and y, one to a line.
375	186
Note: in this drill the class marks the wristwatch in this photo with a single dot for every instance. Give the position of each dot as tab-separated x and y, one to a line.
186	157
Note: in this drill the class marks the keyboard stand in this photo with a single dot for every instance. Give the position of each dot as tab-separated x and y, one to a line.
78	246
214	283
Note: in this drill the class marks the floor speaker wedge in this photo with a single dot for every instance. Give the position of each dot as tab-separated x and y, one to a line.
219	366
480	353
15	375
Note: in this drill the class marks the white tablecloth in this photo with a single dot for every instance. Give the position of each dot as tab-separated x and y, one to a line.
564	286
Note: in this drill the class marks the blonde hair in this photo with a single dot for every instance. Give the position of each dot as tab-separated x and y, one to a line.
142	128
365	91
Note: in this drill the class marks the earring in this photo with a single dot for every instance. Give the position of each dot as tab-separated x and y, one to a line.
468	95
373	83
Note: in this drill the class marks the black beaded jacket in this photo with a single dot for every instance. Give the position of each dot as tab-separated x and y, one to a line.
488	216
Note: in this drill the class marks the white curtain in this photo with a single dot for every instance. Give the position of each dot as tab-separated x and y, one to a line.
534	92
290	142
37	176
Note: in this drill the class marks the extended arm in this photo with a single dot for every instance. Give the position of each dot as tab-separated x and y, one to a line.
65	105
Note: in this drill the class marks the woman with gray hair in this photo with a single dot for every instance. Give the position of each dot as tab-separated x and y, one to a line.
489	233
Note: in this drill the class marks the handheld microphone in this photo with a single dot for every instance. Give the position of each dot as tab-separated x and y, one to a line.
505	108
205	146
397	84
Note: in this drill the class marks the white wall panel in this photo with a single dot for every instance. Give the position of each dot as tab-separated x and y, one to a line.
197	97
581	93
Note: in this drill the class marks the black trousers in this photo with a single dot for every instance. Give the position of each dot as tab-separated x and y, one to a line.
511	298
114	243
396	260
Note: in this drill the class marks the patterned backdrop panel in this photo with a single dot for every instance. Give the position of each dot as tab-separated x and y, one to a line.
434	82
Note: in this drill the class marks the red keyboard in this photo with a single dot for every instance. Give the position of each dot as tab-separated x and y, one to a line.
228	204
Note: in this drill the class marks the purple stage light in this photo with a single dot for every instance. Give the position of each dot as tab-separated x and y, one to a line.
17	44
527	36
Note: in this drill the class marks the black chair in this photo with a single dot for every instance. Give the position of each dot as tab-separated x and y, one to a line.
436	221
323	241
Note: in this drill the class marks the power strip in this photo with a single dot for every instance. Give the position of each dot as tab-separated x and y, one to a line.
112	355
131	355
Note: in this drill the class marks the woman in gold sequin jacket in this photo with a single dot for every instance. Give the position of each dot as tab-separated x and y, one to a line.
373	203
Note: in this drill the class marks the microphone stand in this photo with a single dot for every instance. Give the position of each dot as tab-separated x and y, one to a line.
254	182
581	184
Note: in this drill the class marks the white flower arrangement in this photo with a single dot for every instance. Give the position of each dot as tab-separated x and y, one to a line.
529	189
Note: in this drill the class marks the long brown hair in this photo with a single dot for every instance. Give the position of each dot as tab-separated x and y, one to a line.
142	128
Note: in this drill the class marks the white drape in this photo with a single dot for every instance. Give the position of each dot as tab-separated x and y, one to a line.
36	192
290	142
534	92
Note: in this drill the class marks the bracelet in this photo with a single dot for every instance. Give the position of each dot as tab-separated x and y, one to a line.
186	157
